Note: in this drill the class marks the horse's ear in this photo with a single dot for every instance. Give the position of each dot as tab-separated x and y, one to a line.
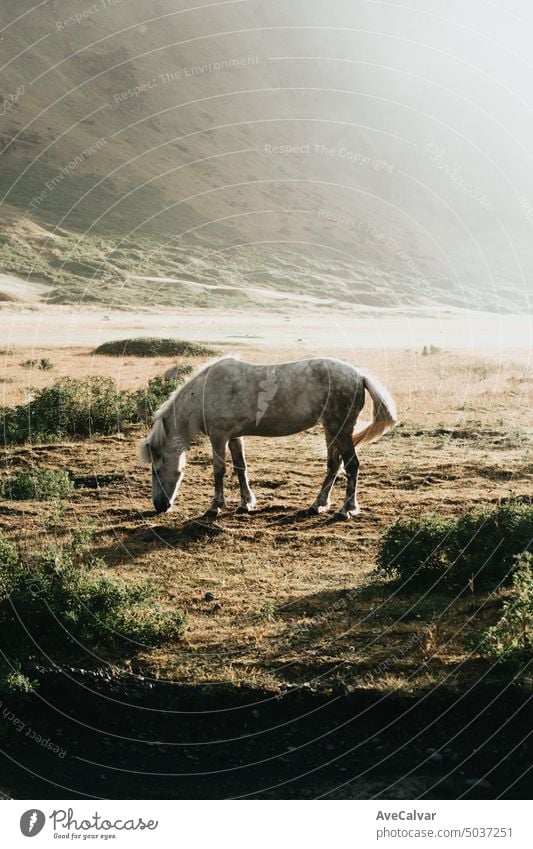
145	451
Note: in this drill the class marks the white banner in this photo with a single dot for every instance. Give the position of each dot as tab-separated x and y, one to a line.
266	824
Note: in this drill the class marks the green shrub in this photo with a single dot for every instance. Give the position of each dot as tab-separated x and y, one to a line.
63	601
180	372
415	549
157	391
13	681
44	364
154	347
8	556
485	544
512	636
476	550
73	407
41	484
70	407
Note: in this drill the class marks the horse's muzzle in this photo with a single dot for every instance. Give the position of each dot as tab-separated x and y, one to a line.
162	504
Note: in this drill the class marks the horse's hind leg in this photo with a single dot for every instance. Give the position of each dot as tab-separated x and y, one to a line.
322	503
219	445
236	447
350	508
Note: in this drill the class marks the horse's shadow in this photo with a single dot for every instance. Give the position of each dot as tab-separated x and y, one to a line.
300	517
137	540
181	536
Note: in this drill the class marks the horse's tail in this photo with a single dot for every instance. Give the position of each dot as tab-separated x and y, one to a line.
385	415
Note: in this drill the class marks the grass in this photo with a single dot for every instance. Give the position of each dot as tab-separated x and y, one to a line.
101	265
62	601
42	484
154	347
296	598
98	268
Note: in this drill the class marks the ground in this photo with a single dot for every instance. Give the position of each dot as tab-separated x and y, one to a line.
295	599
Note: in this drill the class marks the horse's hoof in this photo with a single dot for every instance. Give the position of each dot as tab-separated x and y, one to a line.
212	513
344	515
243	509
316	511
341	517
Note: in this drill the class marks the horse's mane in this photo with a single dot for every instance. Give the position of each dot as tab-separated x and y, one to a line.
158	434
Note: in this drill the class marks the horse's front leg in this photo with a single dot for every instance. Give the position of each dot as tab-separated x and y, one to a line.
219	445
248	500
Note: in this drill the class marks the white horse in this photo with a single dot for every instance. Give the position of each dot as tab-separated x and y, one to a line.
229	399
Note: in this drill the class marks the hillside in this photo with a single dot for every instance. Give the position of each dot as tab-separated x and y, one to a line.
341	151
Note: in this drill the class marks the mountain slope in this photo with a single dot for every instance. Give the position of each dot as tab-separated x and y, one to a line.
344	150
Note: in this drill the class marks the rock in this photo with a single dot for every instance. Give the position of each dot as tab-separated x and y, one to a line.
209	597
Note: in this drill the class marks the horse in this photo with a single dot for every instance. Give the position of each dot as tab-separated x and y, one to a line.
229	399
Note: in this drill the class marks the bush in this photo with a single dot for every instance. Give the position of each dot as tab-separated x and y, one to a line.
63	601
70	407
84	407
415	549
157	391
477	549
512	636
154	347
44	364
13	681
8	555
485	544
41	484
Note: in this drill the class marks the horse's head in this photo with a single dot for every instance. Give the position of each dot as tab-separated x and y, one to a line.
168	463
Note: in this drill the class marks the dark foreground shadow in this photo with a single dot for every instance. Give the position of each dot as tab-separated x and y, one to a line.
132	739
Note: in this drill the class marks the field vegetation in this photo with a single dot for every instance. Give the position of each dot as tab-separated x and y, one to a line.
59	605
414	593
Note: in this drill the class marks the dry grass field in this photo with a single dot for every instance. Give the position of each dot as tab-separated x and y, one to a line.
292	599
